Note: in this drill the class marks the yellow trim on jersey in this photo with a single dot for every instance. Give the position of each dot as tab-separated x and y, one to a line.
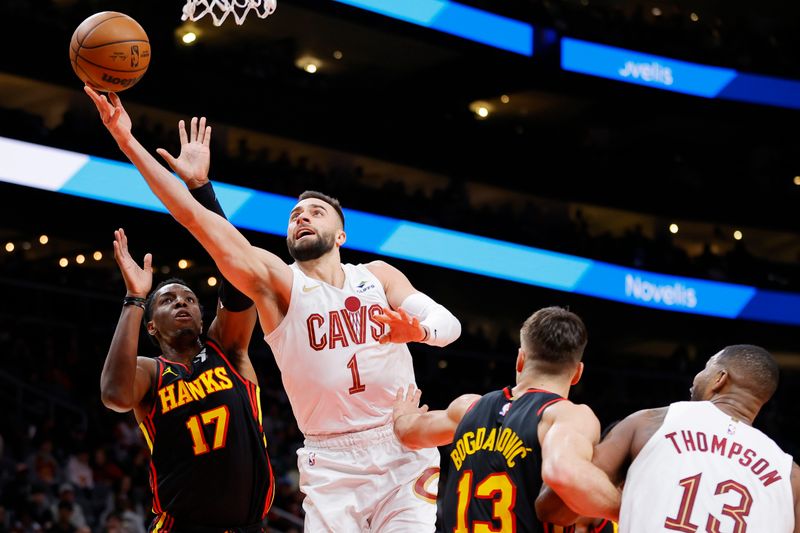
616	527
258	402
160	523
146	436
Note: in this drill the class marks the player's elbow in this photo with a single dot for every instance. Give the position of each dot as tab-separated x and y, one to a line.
115	400
560	475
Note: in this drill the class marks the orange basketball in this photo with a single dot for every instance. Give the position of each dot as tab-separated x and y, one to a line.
109	51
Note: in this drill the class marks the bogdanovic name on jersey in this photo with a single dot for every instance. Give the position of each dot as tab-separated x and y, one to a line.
506	443
687	441
182	392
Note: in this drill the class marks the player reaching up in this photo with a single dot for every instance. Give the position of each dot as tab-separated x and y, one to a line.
338	333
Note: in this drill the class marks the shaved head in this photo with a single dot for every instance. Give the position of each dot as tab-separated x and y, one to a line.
755	365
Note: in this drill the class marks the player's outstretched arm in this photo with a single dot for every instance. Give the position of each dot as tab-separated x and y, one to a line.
416	427
126	378
235	319
414	316
261	275
567	434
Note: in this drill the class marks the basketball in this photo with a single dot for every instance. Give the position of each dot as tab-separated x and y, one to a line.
109	51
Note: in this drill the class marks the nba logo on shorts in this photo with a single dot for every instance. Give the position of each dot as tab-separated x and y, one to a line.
312	459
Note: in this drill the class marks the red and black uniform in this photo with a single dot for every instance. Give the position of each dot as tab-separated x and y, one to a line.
495	465
209	471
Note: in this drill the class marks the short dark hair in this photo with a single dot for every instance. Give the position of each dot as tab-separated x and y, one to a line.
554	335
756	365
325	198
148	303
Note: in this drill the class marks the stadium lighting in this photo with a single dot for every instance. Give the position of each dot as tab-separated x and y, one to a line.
183	264
9	247
212	281
673	228
63	262
43	239
737	235
97	256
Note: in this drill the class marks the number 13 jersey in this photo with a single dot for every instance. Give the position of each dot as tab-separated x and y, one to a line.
705	471
338	377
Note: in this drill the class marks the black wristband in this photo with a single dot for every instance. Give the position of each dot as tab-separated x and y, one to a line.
133	300
231	298
206	197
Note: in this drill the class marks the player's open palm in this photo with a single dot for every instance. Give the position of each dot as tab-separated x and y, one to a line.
402	327
407	403
193	162
138	280
114	116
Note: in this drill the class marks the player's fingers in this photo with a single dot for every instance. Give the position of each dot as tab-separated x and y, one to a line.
147	264
123	239
93	95
207	138
386	339
171	161
417	396
399	395
112	96
381	319
201	130
193	131
182	132
410	391
424	408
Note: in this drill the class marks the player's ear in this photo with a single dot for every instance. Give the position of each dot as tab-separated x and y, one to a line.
341	237
520	360
576	377
151	328
720	381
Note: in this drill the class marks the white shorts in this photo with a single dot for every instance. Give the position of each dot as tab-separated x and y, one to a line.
367	481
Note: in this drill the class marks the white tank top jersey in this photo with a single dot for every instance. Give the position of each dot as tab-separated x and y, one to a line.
338	377
705	471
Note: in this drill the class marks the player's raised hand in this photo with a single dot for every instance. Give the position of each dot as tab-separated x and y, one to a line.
193	162
114	116
407	403
402	327
138	280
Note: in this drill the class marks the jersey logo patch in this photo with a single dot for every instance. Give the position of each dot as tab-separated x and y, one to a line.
309	289
364	286
505	409
312	459
169	370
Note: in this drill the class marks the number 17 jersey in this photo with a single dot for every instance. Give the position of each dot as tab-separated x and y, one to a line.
706	471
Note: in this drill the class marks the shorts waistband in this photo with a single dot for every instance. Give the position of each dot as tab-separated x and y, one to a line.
355	439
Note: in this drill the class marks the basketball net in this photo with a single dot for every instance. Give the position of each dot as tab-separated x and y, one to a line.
220	9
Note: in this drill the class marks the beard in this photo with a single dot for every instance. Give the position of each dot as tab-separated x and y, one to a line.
308	251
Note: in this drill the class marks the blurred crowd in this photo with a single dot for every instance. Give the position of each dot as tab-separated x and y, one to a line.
549	224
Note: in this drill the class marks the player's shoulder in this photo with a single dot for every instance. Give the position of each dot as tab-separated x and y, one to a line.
379	267
566	409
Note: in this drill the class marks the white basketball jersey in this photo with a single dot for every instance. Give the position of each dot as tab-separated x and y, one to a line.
337	376
705	471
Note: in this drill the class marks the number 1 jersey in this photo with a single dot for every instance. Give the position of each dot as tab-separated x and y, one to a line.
338	377
706	471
